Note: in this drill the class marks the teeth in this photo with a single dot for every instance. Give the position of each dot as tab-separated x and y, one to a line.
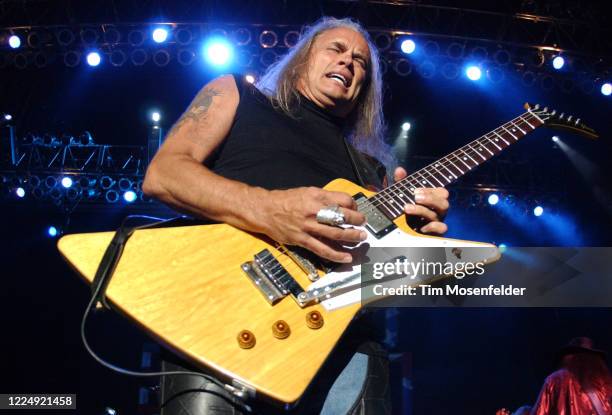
339	78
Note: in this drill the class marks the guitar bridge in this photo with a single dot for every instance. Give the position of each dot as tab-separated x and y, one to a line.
272	279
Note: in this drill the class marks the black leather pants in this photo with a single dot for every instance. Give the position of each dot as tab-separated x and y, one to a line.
193	395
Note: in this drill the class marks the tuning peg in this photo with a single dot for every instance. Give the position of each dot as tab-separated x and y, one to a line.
545	109
569	119
537	106
577	121
553	113
562	115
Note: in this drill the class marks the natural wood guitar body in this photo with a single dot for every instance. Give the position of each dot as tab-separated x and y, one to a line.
185	287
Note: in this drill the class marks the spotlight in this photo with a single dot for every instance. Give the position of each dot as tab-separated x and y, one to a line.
250	78
538	210
52	231
502	247
8	117
218	52
14	41
555	138
408	46
20	192
406	126
493	199
160	35
66	182
129	196
558	62
606	89
473	73
155	116
93	58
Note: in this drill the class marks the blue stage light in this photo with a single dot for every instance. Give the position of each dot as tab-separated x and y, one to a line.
538	211
473	73
160	35
20	192
606	89
155	116
250	78
8	117
14	41
493	199
66	182
218	52
502	247
555	138
93	59
129	196
52	231
558	62
406	126
408	46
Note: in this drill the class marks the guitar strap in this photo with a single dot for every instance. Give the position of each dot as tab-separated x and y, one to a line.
369	172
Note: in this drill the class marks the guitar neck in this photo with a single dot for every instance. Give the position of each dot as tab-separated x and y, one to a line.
451	167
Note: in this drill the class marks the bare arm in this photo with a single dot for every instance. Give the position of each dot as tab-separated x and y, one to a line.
177	177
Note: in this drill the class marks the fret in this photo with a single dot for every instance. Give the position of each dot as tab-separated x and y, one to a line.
399	209
492	142
455	166
520	129
477	152
386	210
537	118
425	181
437	164
470	157
402	194
501	137
452	174
463	161
508	131
436	179
481	146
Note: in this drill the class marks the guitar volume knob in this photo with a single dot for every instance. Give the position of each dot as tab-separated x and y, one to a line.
246	339
281	330
314	320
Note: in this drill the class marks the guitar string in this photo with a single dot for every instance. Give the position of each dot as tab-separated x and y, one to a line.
391	191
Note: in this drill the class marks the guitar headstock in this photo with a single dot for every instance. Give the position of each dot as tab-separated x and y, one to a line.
561	121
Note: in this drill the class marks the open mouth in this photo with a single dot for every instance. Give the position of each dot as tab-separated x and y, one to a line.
339	78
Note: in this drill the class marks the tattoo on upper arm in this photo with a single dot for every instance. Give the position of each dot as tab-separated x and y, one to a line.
198	108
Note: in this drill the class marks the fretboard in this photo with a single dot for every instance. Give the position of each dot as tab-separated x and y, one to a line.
451	167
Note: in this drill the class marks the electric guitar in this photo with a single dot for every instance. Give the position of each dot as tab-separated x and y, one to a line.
260	315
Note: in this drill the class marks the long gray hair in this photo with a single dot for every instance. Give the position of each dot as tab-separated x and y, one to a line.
365	126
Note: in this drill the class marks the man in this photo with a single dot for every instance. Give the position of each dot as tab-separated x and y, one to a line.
257	158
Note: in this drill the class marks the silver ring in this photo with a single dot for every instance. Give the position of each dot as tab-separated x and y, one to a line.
331	215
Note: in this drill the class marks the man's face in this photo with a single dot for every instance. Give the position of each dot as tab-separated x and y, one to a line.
336	71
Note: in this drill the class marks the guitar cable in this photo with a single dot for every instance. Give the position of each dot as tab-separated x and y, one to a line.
101	280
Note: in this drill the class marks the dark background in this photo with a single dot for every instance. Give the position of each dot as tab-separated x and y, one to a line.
463	360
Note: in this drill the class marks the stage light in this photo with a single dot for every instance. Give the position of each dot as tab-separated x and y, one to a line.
20	192
493	199
14	41
473	73
538	211
406	126
558	62
250	78
408	46
555	138
606	89
218	52
502	248
93	58
8	117
52	231
66	182
160	35
155	116
129	196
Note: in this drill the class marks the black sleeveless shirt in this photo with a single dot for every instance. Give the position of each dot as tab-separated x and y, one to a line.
268	148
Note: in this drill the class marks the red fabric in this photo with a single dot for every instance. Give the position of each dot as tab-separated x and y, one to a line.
562	394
